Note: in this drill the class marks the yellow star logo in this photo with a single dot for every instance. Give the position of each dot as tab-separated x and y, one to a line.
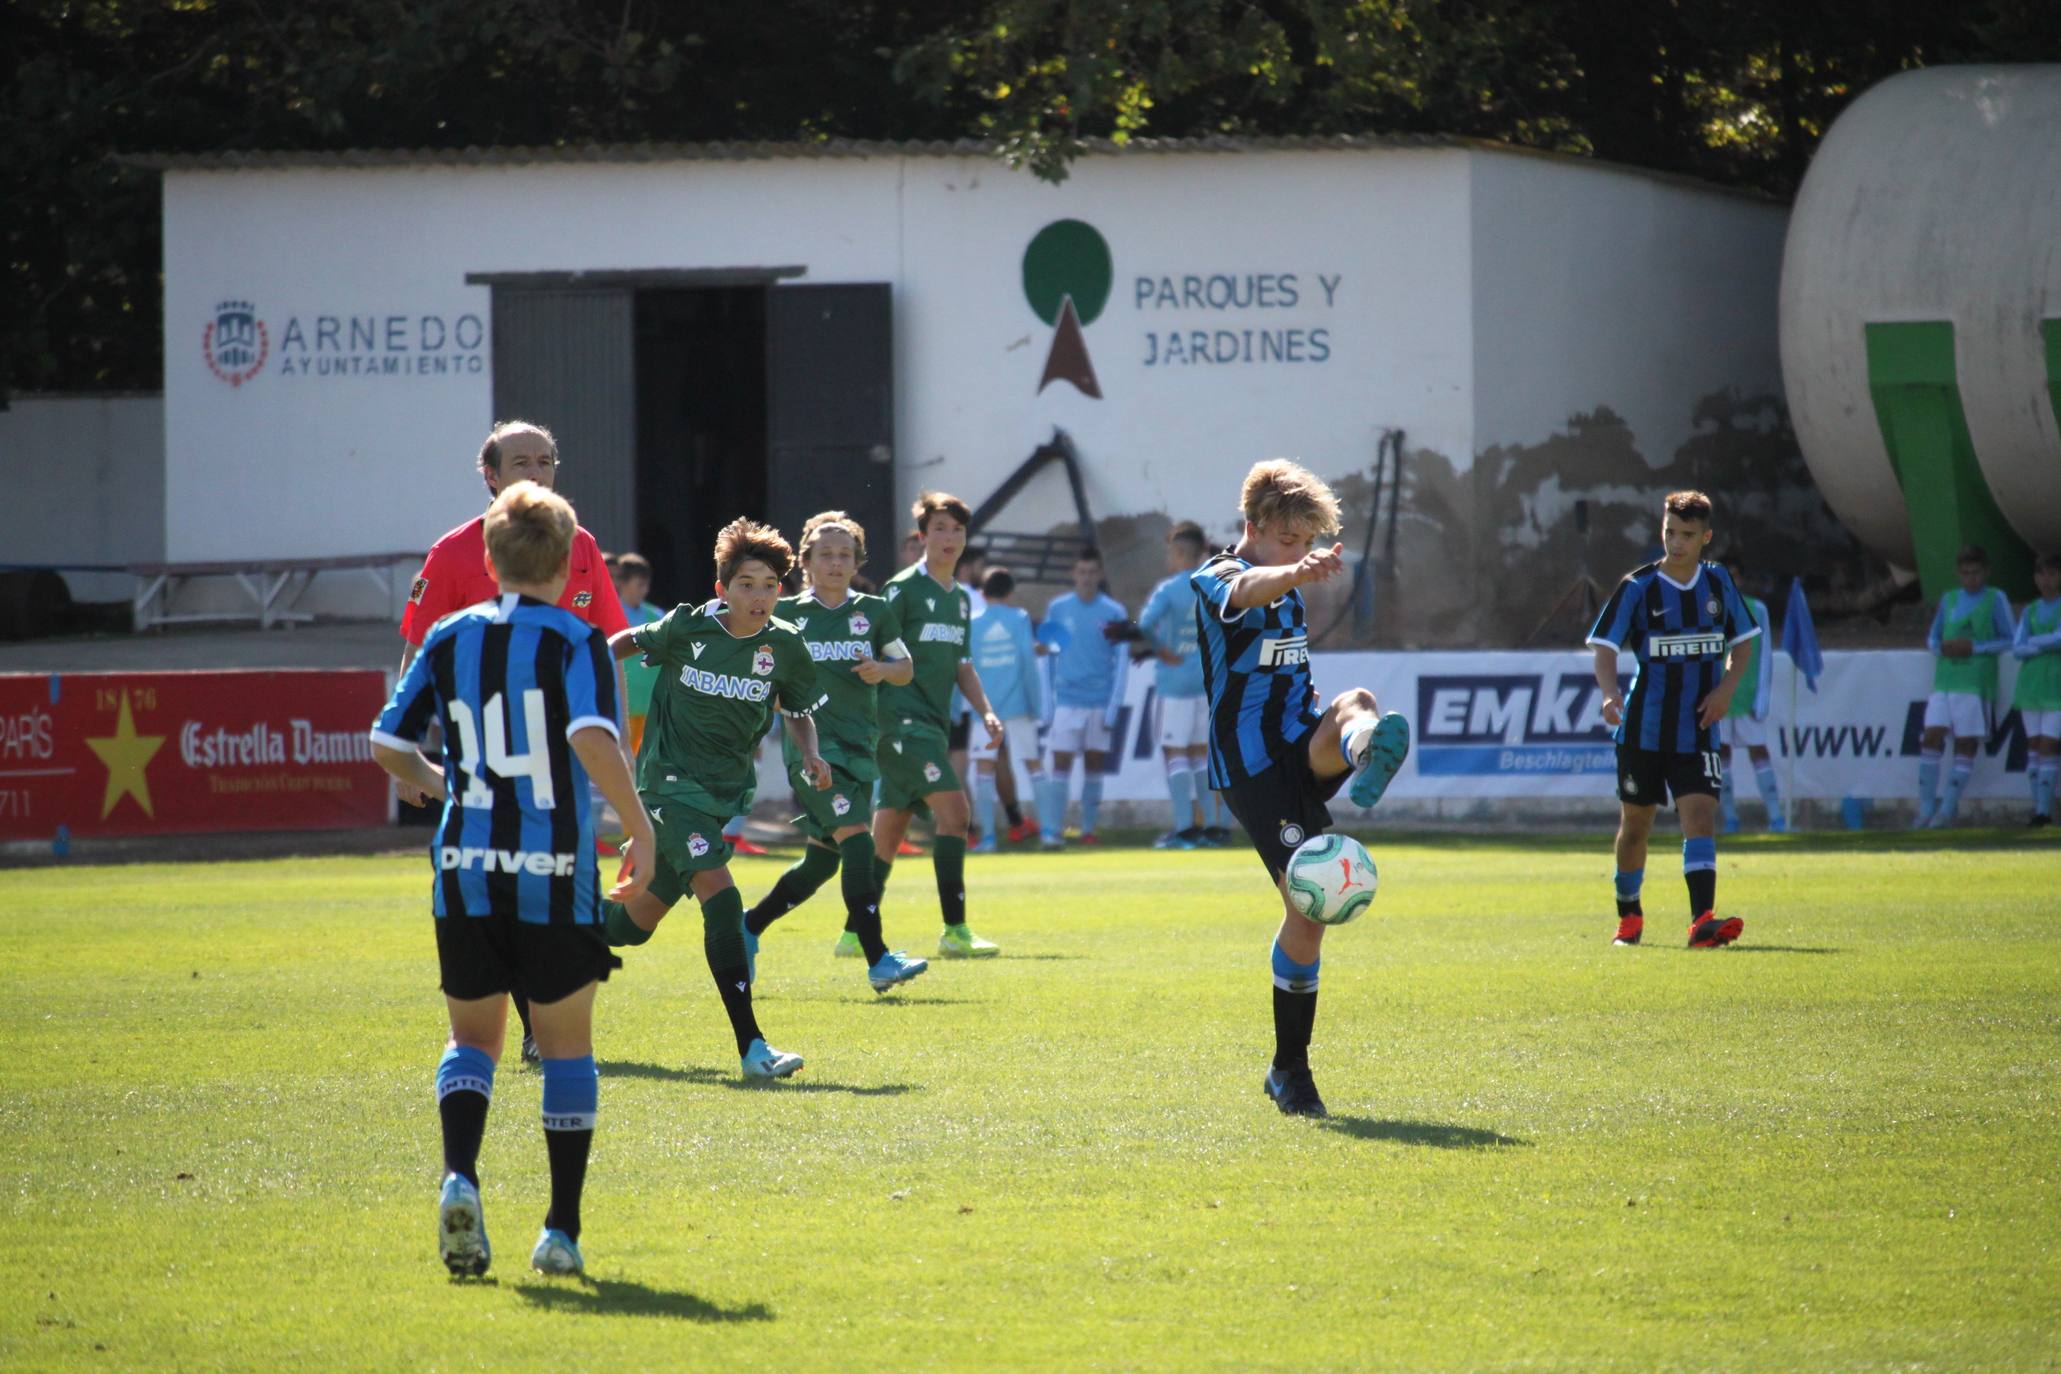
126	755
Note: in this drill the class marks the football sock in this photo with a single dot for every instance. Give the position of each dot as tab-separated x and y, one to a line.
1352	742
1957	778
465	1085
1764	777
1051	798
948	857
881	868
1728	800
1629	880
1928	780
2050	772
722	930
1091	802
861	900
1295	1009
620	929
1699	871
795	886
984	798
2032	781
1180	789
572	1095
1213	810
1013	812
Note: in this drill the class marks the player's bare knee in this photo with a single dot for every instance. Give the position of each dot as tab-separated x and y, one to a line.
1356	701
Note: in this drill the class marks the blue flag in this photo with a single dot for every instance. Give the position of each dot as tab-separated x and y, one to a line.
1800	636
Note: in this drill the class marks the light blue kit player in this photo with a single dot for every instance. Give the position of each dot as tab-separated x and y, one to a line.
526	695
1088	626
1174	643
1005	654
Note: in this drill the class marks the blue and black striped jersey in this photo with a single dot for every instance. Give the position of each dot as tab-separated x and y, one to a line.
510	679
1680	633
1256	669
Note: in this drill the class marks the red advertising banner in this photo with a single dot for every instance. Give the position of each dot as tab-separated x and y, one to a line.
183	753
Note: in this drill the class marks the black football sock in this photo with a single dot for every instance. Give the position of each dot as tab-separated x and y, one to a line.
1013	812
465	1086
1295	1009
861	901
722	940
568	1154
881	868
572	1095
1699	871
949	859
796	885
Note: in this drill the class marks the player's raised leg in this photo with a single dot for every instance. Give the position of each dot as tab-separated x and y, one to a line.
1353	735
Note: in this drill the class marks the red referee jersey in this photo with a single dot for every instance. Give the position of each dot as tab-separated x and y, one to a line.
457	574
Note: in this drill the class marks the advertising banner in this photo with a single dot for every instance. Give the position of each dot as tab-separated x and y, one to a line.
1528	725
172	753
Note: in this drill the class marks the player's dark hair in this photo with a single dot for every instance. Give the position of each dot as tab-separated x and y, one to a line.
529	534
932	503
745	540
1088	554
490	451
633	565
1688	505
1189	533
1972	553
998	582
833	520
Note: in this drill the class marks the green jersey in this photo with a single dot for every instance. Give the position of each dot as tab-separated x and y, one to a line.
1984	619
935	618
1751	699
715	697
848	721
2039	674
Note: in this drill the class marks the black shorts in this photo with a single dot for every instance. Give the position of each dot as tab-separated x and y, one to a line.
1650	777
1283	806
483	955
960	730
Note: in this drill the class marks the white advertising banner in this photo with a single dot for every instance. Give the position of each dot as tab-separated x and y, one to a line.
1527	725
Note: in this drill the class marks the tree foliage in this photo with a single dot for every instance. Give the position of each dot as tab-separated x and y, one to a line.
1737	91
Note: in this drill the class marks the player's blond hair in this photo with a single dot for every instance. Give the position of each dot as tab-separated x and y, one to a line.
529	533
745	540
1288	498
832	520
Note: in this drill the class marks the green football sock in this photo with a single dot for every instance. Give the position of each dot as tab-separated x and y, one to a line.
949	858
621	930
861	899
722	930
796	885
881	868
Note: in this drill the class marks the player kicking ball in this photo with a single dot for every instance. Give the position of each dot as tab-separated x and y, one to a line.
516	894
1273	754
856	640
1684	620
723	668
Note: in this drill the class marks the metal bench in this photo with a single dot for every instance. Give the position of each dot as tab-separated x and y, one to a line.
275	586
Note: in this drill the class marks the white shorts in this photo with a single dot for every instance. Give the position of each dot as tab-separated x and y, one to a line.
1020	731
2041	724
1964	715
1745	730
1078	730
1183	722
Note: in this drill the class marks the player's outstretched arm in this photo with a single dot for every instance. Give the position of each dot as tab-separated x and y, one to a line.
411	770
623	643
602	757
1265	586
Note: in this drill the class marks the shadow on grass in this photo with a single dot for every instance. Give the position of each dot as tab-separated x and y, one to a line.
718	1078
622	1298
1439	1135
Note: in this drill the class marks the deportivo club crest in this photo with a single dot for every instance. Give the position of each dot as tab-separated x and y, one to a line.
762	661
697	846
931	772
840	804
235	343
859	623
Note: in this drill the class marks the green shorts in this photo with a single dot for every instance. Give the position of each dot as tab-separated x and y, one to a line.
847	801
912	768
689	842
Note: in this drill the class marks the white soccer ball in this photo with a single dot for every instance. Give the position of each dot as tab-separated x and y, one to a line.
1331	879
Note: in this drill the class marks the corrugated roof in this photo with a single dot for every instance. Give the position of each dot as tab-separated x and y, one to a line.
475	156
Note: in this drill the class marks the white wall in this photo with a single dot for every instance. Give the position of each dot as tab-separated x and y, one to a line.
85	484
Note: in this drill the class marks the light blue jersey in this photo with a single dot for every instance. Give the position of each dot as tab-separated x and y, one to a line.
1084	672
1007	661
1169	623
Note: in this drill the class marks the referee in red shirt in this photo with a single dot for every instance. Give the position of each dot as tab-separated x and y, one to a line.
457	574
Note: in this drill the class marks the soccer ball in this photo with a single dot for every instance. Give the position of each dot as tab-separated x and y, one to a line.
1331	879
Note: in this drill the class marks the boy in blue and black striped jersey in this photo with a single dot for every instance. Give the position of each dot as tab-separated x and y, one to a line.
1273	753
1682	618
527	696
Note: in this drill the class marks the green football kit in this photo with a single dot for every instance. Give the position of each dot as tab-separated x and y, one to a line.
847	723
915	719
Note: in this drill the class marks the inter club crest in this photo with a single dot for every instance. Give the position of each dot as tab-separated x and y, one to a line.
762	661
859	623
236	343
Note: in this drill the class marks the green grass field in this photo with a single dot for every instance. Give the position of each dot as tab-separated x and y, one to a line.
1833	1146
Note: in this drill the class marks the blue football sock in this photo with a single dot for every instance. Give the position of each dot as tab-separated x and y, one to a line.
1091	802
1764	775
1629	881
985	796
1728	800
1957	779
572	1097
465	1087
1928	781
1180	787
1051	794
2048	776
1290	976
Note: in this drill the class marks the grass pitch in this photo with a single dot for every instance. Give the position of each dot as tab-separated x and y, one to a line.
1832	1146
